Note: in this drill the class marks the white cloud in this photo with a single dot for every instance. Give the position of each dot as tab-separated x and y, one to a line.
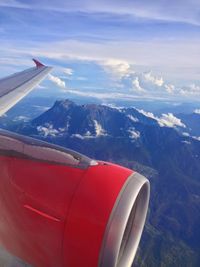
88	135
186	134
147	82
186	142
169	120
166	120
136	85
169	88
125	73
147	114
99	129
111	105
47	130
196	138
138	82
154	80
193	137
22	118
196	111
133	134
78	136
68	71
132	118
56	80
192	89
117	68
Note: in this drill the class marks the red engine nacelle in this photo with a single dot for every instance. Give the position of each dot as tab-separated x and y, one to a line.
62	209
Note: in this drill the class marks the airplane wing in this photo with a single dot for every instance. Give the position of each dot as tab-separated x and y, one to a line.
15	87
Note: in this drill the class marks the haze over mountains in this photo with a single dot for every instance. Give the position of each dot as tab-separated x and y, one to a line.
165	148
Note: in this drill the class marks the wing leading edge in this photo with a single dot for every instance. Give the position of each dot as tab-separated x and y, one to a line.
15	87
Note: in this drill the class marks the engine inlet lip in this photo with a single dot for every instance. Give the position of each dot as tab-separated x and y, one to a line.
126	223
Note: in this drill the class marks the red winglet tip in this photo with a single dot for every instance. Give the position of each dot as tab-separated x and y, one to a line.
38	63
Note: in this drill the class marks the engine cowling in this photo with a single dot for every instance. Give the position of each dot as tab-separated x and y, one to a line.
60	208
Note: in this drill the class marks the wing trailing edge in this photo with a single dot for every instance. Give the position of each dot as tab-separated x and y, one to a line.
15	87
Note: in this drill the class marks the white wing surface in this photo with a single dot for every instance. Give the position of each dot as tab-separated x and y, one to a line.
15	87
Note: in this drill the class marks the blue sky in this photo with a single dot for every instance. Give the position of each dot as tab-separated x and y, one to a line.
139	49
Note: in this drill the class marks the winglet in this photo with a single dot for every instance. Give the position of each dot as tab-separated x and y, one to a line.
38	63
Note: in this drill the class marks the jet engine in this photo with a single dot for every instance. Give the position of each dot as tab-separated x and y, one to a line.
62	209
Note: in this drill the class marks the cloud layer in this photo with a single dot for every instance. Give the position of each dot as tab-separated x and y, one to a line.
146	83
56	80
166	120
140	48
